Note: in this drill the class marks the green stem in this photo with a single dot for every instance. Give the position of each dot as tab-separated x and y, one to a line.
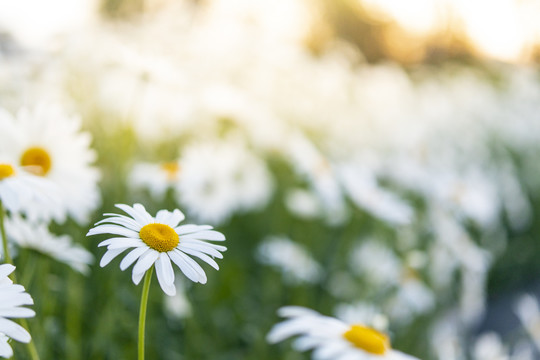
7	258
142	312
31	346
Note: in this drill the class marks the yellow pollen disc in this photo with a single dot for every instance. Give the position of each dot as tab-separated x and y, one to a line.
159	237
172	169
38	159
367	339
6	171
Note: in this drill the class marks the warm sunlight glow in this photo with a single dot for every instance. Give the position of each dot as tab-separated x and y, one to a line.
501	29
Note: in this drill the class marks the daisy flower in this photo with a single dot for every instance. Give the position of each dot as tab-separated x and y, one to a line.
156	177
18	187
158	240
36	235
332	339
51	144
12	298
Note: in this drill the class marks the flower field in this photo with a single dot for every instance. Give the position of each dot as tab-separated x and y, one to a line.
237	179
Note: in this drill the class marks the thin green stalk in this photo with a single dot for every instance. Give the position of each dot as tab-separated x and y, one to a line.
7	258
142	312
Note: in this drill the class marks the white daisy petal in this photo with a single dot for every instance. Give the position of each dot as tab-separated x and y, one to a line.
184	266
202	243
132	257
201	248
165	274
113	229
12	299
123	221
137	277
141	218
207	259
145	261
14	331
142	211
5	270
205	235
163	216
124	243
109	256
176	218
190	228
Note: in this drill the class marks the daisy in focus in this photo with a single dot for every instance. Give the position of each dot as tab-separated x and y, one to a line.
12	299
158	241
332	339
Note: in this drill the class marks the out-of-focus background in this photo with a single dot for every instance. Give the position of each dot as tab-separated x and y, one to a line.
375	160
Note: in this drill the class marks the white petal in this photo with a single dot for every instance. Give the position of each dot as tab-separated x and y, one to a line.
113	229
125	243
190	228
184	266
145	261
14	331
205	235
165	274
176	218
207	259
140	217
123	221
131	257
109	256
6	269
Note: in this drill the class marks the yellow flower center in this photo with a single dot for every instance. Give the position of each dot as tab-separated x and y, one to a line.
171	169
159	237
6	171
37	159
367	339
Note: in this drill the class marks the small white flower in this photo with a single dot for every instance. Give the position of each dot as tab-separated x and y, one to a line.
35	235
528	312
12	299
156	241
221	179
489	346
295	263
156	177
332	339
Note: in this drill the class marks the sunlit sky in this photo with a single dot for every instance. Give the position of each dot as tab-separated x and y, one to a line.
501	29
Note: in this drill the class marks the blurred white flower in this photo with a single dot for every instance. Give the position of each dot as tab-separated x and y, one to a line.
376	263
293	260
49	143
362	313
155	241
489	346
155	177
36	236
221	179
12	299
330	338
20	189
362	187
528	313
178	306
